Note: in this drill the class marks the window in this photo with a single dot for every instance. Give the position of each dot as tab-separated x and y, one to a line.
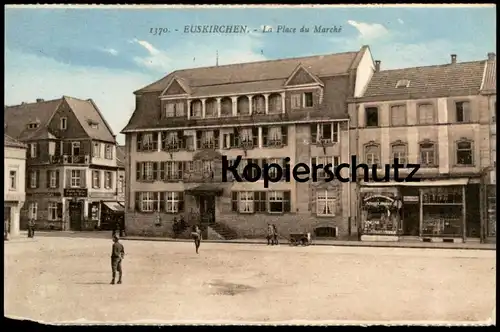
52	209
174	110
463	111
277	202
399	151
12	180
325	203
427	154
33	150
147	142
64	123
33	179
195	109
96	179
398	115
33	125
246	202
146	171
174	201
207	166
75	148
333	160
372	154
96	150
296	100
259	104
148	201
33	210
108	180
403	84
170	140
275	104
325	133
52	179
209	140
275	136
308	99
465	153
76	178
173	170
121	183
371	116
246	136
273	172
426	114
108	152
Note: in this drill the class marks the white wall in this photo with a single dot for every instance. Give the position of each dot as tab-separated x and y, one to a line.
15	159
364	73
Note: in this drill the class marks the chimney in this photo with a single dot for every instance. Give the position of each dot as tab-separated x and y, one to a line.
453	58
492	56
23	103
377	66
39	100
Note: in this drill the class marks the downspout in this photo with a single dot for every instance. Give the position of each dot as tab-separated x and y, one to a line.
349	188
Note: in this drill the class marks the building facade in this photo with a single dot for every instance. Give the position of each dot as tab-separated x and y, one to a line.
14	194
431	116
262	112
71	169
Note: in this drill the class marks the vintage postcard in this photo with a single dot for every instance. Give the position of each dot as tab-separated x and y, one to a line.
249	165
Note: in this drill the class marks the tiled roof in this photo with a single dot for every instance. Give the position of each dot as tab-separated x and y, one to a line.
322	65
428	80
490	77
17	118
120	155
223	89
86	112
11	142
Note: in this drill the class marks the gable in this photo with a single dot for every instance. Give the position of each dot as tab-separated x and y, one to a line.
300	77
73	127
175	89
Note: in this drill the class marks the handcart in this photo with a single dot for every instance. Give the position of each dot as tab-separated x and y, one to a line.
303	239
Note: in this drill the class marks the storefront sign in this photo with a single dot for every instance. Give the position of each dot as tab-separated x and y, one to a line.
378	200
410	199
75	192
44	194
101	195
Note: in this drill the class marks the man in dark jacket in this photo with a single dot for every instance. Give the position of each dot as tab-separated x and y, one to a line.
117	255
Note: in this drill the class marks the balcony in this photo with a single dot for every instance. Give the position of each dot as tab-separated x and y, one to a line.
69	159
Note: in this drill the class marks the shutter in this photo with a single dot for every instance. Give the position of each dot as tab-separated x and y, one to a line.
57	179
284	135
234	201
83	182
286	203
256	201
137	201
155	141
155	171
139	142
314	132
162	201
66	148
68	178
28	179
162	170
37	150
38	178
180	171
47	180
156	201
181	201
264	136
59	210
138	171
216	139
255	136
313	161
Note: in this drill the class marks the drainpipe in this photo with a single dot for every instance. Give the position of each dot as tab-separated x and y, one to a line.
349	216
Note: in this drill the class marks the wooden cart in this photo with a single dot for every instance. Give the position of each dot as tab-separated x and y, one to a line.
303	239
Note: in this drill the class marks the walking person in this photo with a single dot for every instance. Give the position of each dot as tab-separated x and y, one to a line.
31	228
269	236
275	235
117	255
196	234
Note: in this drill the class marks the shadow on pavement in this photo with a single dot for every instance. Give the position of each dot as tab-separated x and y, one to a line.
69	234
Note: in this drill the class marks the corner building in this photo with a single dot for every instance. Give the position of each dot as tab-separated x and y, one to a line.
264	111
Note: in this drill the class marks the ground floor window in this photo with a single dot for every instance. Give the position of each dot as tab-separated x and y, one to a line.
261	201
151	201
246	202
173	200
52	211
147	201
325	203
380	213
33	210
442	209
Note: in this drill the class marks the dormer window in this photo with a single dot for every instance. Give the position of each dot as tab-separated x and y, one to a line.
93	124
33	125
64	123
403	84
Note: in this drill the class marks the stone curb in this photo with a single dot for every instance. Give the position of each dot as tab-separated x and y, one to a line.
337	244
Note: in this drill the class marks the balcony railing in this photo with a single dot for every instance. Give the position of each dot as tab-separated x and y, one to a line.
70	159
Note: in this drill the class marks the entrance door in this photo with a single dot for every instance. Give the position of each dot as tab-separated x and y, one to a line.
75	215
411	219
207	209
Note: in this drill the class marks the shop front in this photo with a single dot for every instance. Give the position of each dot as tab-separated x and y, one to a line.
491	222
380	213
112	213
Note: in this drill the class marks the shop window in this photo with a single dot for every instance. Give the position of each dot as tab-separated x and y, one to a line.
442	209
465	153
371	114
380	214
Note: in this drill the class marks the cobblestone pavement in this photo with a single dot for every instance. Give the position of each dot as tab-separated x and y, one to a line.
57	279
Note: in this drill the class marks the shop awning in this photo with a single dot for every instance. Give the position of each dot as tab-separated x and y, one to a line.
115	206
422	183
206	189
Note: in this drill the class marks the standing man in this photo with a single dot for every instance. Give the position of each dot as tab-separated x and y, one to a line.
196	234
117	255
269	234
275	235
31	228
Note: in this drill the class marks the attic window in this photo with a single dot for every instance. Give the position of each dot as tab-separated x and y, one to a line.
93	124
403	84
33	125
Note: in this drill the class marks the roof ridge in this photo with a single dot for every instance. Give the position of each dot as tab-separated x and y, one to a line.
432	66
33	103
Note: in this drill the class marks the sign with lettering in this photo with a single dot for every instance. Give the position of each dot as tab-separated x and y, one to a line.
75	192
378	200
44	194
410	198
101	195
